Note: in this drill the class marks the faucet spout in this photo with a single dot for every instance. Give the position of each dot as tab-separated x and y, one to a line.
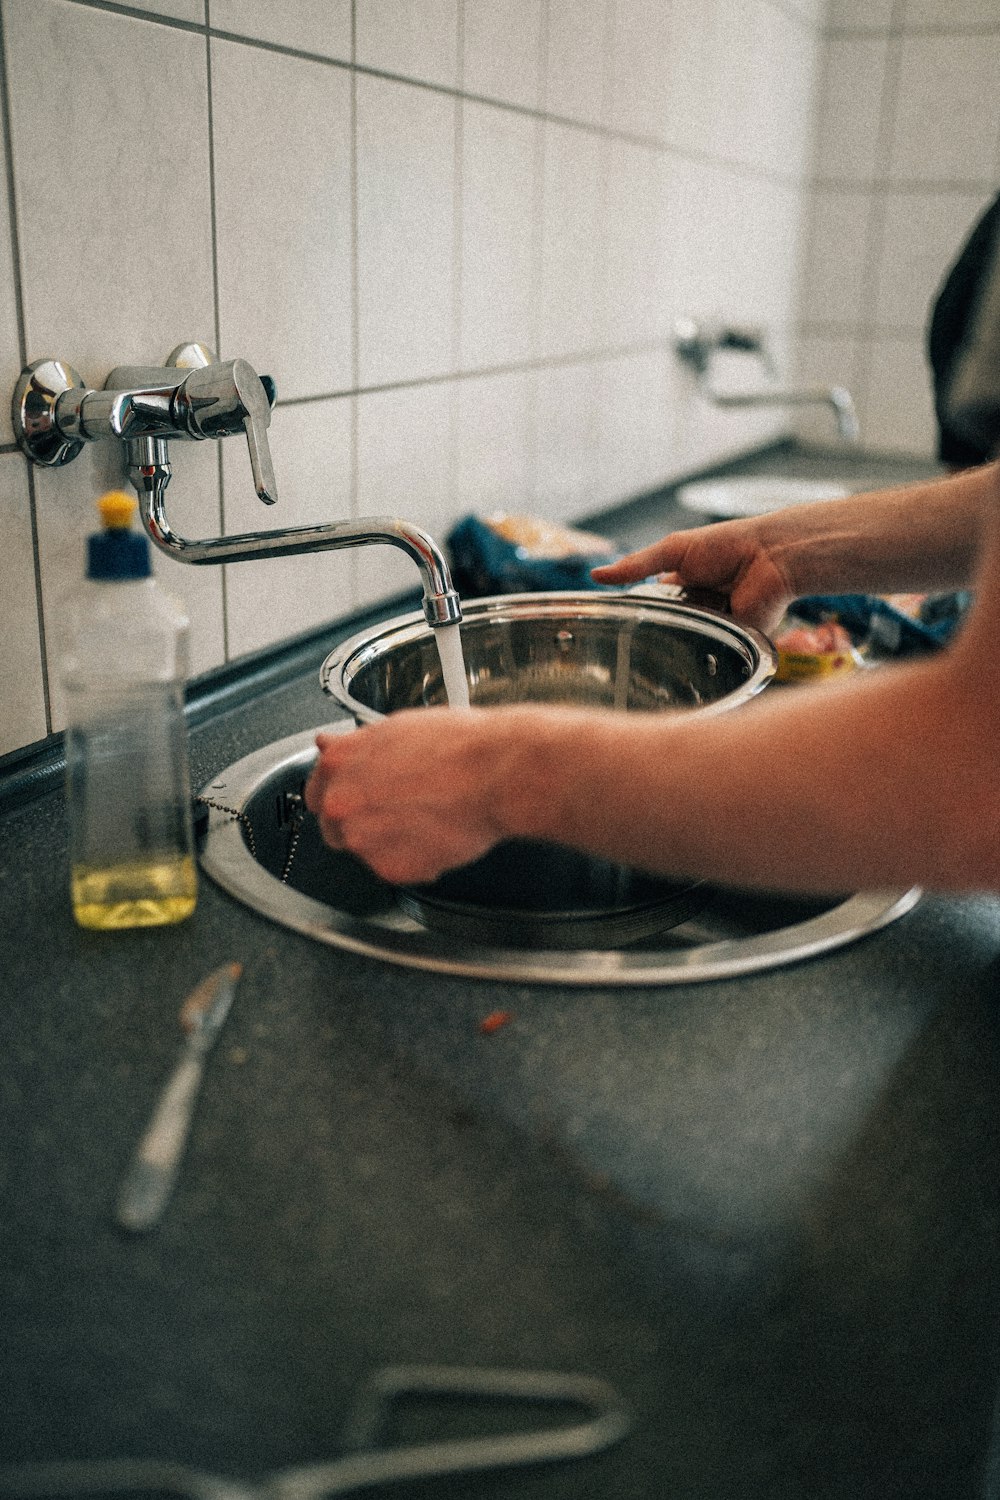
696	343
149	472
837	397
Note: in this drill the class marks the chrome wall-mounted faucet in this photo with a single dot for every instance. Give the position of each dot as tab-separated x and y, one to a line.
696	343
194	397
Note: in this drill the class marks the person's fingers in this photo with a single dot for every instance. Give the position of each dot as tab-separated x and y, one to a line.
642	564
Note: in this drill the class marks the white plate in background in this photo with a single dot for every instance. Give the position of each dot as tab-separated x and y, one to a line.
755	496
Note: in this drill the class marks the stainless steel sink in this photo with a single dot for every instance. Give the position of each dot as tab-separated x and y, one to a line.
259	844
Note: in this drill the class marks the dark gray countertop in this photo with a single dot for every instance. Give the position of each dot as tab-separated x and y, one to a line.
765	1209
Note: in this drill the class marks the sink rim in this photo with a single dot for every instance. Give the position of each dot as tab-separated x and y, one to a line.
399	939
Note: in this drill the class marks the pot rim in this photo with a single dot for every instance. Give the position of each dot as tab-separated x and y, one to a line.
366	645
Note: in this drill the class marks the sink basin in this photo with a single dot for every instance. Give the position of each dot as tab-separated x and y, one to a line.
258	843
755	495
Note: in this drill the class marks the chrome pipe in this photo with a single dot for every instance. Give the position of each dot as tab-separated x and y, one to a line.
149	472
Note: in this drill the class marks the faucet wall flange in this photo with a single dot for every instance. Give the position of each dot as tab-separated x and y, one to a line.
33	412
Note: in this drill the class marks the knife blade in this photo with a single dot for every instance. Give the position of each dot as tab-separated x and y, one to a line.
152	1173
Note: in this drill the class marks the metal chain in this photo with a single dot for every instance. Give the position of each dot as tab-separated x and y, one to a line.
236	815
297	805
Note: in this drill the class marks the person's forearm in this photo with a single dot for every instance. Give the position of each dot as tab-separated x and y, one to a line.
920	537
884	781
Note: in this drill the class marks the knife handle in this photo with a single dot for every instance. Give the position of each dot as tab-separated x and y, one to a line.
150	1179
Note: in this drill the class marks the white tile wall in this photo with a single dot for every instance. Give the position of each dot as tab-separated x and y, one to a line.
404	469
417	40
920	235
945	129
284	279
572	241
861	15
503	53
577	56
21	684
457	234
273	598
494	438
907	156
499	253
850	108
406	231
321	26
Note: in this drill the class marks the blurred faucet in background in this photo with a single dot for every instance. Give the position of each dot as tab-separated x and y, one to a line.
695	344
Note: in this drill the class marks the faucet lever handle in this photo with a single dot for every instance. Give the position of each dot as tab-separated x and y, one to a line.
219	399
260	458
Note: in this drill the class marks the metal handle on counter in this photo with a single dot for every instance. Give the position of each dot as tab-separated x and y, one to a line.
151	1177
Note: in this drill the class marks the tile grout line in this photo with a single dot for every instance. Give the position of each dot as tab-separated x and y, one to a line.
22	337
217	315
656	143
354	564
861	363
458	228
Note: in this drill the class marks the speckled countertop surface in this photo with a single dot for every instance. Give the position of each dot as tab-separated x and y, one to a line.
765	1209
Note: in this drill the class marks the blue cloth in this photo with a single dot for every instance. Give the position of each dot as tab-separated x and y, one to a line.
868	618
485	563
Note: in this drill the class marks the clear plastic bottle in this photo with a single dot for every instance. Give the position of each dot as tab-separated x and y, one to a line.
128	784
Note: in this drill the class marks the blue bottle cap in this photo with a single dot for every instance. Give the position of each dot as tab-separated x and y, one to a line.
117	552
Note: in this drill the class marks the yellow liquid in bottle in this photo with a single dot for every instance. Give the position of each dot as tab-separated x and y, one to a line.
148	893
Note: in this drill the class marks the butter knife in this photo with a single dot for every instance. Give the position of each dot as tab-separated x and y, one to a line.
150	1179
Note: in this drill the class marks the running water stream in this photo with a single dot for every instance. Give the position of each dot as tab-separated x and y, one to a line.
456	682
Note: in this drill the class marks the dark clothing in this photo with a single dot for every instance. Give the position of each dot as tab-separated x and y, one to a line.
963	442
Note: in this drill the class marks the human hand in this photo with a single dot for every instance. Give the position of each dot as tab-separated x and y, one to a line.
735	558
412	796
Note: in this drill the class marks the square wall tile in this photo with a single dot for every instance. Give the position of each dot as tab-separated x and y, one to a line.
66	515
849	109
922	235
567	435
941	131
272	598
321	26
404	469
416	40
499	250
898	411
406	231
637	283
494	443
813	11
860	15
572	241
836	256
502	51
21	685
745	70
696	36
177	10
284	217
641	48
576	59
634	400
116	265
824	361
793	81
10	360
950	15
736	244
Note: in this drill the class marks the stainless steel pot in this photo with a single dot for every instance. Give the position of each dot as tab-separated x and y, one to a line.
643	650
648	650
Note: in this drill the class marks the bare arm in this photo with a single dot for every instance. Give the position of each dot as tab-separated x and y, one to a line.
925	536
892	777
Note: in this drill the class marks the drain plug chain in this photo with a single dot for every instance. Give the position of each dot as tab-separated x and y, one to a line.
291	814
237	817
